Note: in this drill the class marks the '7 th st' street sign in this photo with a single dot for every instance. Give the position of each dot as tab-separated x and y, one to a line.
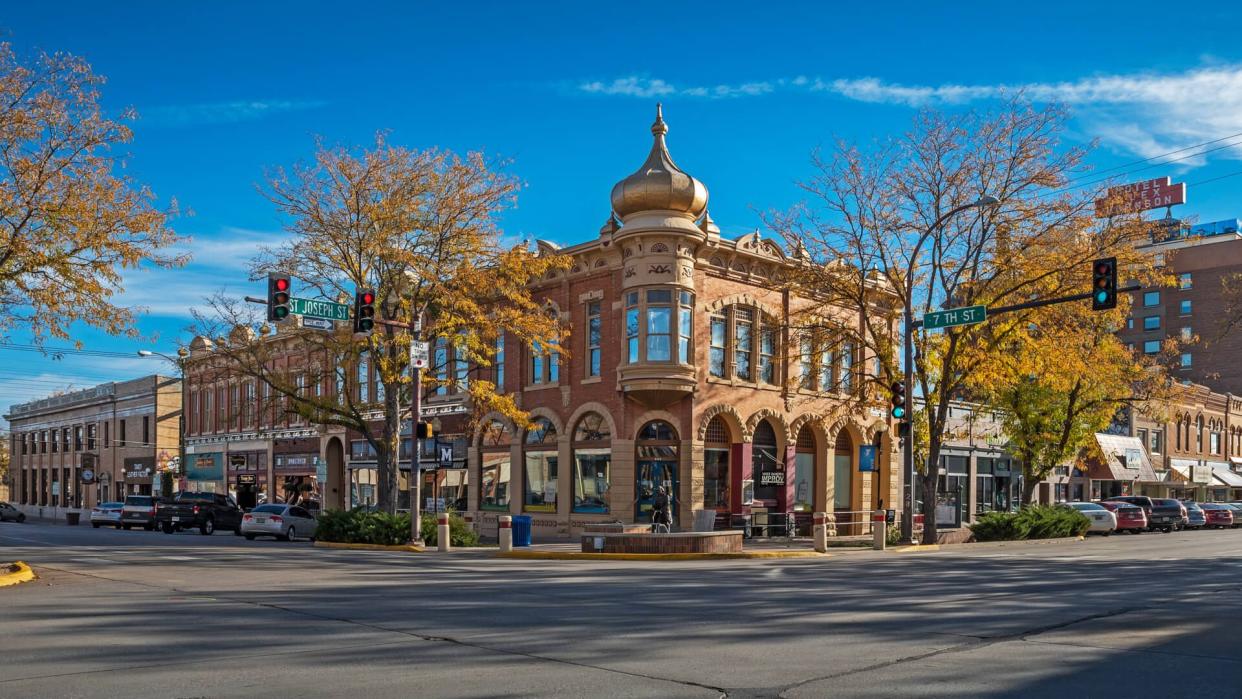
318	309
967	315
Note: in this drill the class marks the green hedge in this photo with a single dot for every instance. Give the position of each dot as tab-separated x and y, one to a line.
1032	522
459	533
359	526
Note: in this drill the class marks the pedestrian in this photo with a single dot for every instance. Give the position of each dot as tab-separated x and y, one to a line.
660	508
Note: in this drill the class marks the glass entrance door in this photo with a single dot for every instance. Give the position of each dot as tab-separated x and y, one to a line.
652	474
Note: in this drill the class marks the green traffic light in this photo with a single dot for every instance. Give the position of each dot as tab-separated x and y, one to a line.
899	412
280	312
1101	296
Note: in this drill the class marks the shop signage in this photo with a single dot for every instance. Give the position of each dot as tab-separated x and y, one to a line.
237	461
1201	473
1140	196
446	455
138	474
772	478
206	467
866	458
247	479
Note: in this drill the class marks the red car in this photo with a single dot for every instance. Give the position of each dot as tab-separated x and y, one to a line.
1219	516
1130	518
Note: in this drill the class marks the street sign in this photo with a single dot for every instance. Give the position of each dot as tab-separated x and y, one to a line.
318	309
966	315
419	354
317	323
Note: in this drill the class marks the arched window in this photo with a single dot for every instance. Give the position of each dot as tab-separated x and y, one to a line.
495	477
1199	434
804	470
592	446
540	457
716	465
843	472
656	467
768	468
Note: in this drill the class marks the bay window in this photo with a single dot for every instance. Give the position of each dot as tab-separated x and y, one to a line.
659	320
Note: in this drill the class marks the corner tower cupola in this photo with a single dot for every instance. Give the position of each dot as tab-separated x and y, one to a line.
659	187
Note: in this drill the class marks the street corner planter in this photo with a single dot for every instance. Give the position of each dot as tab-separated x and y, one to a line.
15	573
408	548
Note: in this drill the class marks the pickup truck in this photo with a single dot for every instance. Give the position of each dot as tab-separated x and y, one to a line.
1164	514
206	512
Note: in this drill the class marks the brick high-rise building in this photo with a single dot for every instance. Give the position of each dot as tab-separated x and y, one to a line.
1201	257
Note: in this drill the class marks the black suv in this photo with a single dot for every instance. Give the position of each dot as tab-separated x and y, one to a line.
1164	514
205	512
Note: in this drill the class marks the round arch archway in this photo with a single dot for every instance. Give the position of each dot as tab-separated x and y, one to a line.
657	452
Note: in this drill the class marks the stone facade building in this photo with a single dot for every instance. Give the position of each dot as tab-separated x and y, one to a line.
123	433
681	371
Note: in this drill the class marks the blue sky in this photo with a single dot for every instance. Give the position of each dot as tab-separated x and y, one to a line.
567	91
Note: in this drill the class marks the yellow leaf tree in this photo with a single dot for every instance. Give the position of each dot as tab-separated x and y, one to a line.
963	209
69	222
420	228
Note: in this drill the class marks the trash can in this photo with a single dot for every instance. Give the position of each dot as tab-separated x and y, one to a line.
521	530
704	520
72	518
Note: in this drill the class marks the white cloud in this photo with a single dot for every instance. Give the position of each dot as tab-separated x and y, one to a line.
222	112
1144	113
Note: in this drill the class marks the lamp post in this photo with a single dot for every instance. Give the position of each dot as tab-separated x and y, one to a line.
907	450
179	362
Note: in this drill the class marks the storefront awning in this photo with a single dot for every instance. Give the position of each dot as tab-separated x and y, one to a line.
1223	475
1191	471
1125	459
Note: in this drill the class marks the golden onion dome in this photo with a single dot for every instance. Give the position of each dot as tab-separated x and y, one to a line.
659	185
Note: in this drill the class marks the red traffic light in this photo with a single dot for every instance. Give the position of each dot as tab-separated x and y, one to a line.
368	297
281	284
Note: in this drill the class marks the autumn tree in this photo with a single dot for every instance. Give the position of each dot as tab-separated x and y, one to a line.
963	209
420	227
1061	375
70	221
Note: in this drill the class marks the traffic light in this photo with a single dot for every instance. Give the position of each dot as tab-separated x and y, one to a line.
424	430
901	409
277	296
364	311
1104	284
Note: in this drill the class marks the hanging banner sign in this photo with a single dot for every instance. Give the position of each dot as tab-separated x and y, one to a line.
1140	196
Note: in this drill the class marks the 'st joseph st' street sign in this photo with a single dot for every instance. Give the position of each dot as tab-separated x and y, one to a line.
318	309
967	315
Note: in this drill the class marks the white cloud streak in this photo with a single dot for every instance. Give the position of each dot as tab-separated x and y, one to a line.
222	112
1145	113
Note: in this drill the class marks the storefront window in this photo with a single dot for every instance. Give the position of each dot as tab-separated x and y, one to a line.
495	473
768	469
592	462
656	467
716	466
541	458
985	485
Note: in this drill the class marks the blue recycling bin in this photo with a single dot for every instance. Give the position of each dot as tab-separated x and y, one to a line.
521	530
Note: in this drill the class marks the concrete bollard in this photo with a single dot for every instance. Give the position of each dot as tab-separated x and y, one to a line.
820	532
506	533
879	523
443	538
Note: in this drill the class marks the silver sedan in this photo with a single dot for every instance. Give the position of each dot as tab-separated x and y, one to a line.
108	513
284	522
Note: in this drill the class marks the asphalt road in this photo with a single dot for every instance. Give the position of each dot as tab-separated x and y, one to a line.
143	614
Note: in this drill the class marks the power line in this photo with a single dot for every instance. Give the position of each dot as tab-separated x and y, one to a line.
1162	155
67	350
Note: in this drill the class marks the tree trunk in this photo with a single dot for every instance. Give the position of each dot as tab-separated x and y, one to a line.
1029	484
928	483
389	454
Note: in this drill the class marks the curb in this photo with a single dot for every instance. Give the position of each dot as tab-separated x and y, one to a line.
653	557
367	547
17	572
915	548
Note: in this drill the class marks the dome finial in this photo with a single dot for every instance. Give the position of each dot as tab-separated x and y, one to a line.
659	128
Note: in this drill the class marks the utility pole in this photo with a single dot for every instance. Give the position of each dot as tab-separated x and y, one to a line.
416	408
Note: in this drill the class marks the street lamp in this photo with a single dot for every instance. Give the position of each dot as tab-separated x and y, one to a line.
179	362
907	455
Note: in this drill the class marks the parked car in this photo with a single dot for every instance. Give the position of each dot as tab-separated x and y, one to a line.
1195	517
1130	518
1102	520
108	513
8	513
1162	513
285	522
205	512
1237	513
138	511
1220	516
